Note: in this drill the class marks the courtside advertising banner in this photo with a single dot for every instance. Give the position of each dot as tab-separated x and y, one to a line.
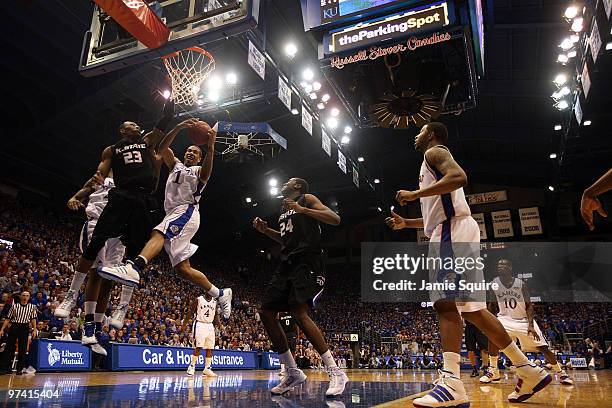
141	357
59	355
270	361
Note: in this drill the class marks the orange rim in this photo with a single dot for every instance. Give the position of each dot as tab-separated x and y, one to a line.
194	49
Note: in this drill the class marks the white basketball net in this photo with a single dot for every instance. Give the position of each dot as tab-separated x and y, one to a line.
188	69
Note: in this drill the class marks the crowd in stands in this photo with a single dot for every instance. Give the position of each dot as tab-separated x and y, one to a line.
38	249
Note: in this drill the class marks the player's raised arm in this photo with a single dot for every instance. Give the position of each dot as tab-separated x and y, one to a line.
104	167
164	150
157	133
590	203
453	177
262	226
207	166
314	208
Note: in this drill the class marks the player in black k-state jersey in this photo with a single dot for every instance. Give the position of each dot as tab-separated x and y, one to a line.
131	209
299	281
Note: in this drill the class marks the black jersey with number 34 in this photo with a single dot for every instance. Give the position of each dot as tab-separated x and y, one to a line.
132	164
300	234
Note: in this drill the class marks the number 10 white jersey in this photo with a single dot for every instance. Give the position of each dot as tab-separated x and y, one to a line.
510	300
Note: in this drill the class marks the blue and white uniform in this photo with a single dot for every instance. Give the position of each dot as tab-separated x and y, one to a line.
113	251
453	234
183	192
203	329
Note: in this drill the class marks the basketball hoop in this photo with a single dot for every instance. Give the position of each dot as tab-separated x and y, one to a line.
188	69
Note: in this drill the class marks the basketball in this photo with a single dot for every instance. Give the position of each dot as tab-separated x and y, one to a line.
199	133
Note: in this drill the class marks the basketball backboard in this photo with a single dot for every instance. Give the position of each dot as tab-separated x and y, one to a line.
108	47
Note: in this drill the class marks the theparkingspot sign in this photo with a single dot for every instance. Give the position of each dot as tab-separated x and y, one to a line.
140	357
391	27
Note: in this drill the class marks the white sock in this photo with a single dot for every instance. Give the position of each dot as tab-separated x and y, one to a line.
98	317
287	359
208	362
90	307
214	291
77	281
515	354
493	361
557	368
194	358
451	362
126	294
282	367
328	359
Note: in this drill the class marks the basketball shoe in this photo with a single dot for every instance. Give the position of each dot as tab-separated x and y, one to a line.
294	377
118	316
531	379
448	392
564	378
63	311
337	382
209	373
124	274
491	375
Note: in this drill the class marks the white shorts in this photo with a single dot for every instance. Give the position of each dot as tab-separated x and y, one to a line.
517	330
110	255
460	235
178	227
204	334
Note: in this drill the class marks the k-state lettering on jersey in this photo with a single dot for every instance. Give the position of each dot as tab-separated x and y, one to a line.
98	199
299	233
206	309
288	323
510	300
439	208
133	167
183	186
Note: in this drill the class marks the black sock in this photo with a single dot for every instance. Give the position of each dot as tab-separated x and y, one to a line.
98	326
89	318
139	263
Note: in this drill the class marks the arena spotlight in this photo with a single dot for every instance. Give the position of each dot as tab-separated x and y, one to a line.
586	123
273	191
325	98
348	129
290	50
571	12
273	182
200	102
556	95
316	85
166	94
308	74
379	209
571	54
562	104
320	106
248	199
566	44
231	78
335	112
376	181
262	251
562	58
214	96
308	88
558	127
574	38
313	96
295	111
332	122
609	45
345	140
551	188
214	82
303	84
553	155
560	79
564	91
360	159
577	25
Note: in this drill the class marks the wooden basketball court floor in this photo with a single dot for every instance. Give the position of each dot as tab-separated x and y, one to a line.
379	388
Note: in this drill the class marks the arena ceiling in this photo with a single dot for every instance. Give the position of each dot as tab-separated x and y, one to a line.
56	122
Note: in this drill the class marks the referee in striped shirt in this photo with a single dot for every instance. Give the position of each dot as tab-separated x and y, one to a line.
21	316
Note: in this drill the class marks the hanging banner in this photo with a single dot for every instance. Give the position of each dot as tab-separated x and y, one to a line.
341	161
595	41
586	80
306	120
325	142
479	218
530	221
502	224
257	61
355	177
284	92
484	198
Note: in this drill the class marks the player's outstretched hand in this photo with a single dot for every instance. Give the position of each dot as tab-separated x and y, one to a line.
260	225
289	204
74	204
588	205
395	222
403	197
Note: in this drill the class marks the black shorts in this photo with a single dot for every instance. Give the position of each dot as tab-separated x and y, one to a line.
299	279
473	336
130	215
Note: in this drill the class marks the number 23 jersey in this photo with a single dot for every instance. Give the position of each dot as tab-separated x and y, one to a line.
300	234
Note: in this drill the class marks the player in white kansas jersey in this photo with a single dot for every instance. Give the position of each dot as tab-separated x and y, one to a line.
454	234
203	331
516	315
184	187
111	254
